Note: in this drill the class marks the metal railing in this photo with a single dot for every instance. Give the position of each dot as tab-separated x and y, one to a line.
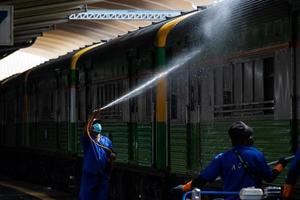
244	109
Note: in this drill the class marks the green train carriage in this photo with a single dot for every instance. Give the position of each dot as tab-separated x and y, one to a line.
177	126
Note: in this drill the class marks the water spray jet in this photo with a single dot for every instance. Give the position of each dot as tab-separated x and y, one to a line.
180	62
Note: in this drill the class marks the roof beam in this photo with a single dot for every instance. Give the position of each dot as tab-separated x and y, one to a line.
149	15
28	37
56	5
32	31
44	17
39	24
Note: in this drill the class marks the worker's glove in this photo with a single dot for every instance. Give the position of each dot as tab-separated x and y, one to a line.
185	188
287	191
112	157
282	162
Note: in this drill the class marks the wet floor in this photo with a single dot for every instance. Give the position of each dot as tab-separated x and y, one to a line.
15	190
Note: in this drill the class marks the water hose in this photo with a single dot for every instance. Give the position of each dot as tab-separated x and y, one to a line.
90	121
287	158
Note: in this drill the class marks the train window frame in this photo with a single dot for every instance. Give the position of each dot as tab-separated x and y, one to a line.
264	108
268	77
174	109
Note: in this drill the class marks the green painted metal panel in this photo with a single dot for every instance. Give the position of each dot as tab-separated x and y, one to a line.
120	139
63	136
273	139
80	130
195	148
214	140
161	145
178	148
72	137
161	58
143	144
46	137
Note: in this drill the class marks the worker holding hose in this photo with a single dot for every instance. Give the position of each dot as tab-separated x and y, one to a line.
240	167
97	160
292	176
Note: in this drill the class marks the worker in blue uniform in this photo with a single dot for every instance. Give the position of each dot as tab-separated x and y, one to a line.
240	167
292	176
97	158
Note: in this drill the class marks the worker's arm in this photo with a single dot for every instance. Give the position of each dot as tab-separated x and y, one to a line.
269	175
197	182
210	173
91	119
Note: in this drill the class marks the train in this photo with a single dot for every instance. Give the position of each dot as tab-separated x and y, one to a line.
246	67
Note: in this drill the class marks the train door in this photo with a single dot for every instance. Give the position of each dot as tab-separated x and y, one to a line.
133	106
143	131
179	118
194	119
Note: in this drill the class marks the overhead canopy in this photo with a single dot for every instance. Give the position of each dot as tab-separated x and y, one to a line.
44	26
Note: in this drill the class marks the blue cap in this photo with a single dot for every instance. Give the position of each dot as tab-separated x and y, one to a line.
96	128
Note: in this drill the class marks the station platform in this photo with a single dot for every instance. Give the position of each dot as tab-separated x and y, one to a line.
14	189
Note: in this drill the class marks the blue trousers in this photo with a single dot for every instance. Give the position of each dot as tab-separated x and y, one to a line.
93	187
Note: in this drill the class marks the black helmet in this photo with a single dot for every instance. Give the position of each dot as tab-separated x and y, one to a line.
240	134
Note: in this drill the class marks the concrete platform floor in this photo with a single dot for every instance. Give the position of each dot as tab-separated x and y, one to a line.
15	190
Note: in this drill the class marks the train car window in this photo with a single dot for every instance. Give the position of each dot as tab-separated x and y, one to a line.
253	82
148	103
106	91
36	102
112	70
215	86
243	83
227	85
199	95
79	115
120	89
173	106
258	95
169	53
102	96
192	99
248	89
51	102
186	42
268	67
98	96
268	64
238	83
153	59
136	107
17	104
65	105
112	93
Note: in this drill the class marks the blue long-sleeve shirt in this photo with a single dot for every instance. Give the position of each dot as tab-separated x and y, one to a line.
230	169
95	158
94	180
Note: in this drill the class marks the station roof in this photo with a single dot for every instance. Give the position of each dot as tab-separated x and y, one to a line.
42	30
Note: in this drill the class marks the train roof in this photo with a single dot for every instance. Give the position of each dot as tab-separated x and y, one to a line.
247	13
